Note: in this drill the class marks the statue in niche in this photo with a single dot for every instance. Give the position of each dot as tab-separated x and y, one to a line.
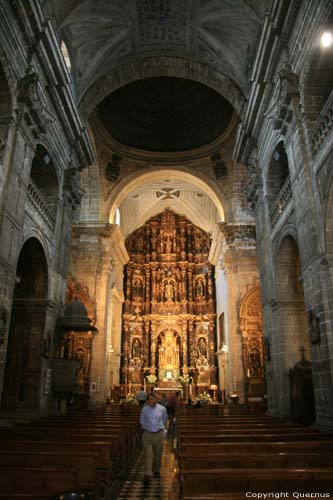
136	348
82	371
254	362
202	348
168	291
200	288
313	321
168	245
137	288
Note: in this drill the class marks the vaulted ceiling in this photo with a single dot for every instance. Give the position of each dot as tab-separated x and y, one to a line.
120	53
103	34
153	197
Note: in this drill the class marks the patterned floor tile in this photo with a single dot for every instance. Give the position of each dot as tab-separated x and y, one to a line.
157	489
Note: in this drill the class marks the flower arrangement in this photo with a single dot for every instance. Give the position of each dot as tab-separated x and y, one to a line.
151	379
204	398
185	379
130	399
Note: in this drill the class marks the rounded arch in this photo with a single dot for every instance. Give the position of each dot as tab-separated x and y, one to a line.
251	296
160	66
35	233
292	342
288	269
250	316
26	332
278	171
135	180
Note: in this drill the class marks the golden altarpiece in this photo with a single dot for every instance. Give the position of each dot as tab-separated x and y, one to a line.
169	311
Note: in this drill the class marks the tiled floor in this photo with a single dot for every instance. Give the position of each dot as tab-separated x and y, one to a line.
161	489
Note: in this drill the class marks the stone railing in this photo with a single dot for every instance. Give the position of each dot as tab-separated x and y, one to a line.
38	201
281	201
323	125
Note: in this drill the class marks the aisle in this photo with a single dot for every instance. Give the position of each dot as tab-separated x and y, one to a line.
165	488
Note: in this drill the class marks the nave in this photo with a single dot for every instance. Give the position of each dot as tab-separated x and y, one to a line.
217	451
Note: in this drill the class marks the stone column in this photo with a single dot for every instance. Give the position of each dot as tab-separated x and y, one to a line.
98	257
240	265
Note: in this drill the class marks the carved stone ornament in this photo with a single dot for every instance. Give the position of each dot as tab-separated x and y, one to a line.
288	91
112	169
35	113
254	184
219	166
72	187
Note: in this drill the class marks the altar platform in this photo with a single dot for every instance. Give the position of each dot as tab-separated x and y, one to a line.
169	384
167	390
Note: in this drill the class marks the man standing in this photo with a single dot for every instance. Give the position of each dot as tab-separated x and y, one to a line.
141	396
153	419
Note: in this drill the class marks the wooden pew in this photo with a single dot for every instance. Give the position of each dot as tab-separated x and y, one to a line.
86	463
257	460
195	482
279	446
37	480
224	456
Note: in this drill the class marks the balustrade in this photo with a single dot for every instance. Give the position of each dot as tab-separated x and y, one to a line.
323	125
37	200
281	201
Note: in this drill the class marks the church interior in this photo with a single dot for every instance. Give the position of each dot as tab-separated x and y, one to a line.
166	222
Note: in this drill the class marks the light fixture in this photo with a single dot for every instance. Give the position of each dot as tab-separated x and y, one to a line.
326	39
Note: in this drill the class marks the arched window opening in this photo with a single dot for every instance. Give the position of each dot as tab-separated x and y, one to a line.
278	185
65	54
44	185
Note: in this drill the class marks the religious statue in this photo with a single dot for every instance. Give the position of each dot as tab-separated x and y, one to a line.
199	288
136	348
168	291
254	362
202	348
168	246
313	321
137	288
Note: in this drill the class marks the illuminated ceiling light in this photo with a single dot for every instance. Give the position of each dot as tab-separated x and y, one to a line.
326	39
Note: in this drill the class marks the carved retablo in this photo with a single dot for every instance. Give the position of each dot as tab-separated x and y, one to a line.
169	314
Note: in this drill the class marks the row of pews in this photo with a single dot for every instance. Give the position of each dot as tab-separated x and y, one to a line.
85	451
226	452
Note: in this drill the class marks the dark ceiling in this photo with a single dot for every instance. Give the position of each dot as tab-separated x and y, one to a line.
165	114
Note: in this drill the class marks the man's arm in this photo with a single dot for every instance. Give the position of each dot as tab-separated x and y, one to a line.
164	416
142	417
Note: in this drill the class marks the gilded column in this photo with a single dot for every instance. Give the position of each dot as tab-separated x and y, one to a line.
147	272
153	347
185	343
190	288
